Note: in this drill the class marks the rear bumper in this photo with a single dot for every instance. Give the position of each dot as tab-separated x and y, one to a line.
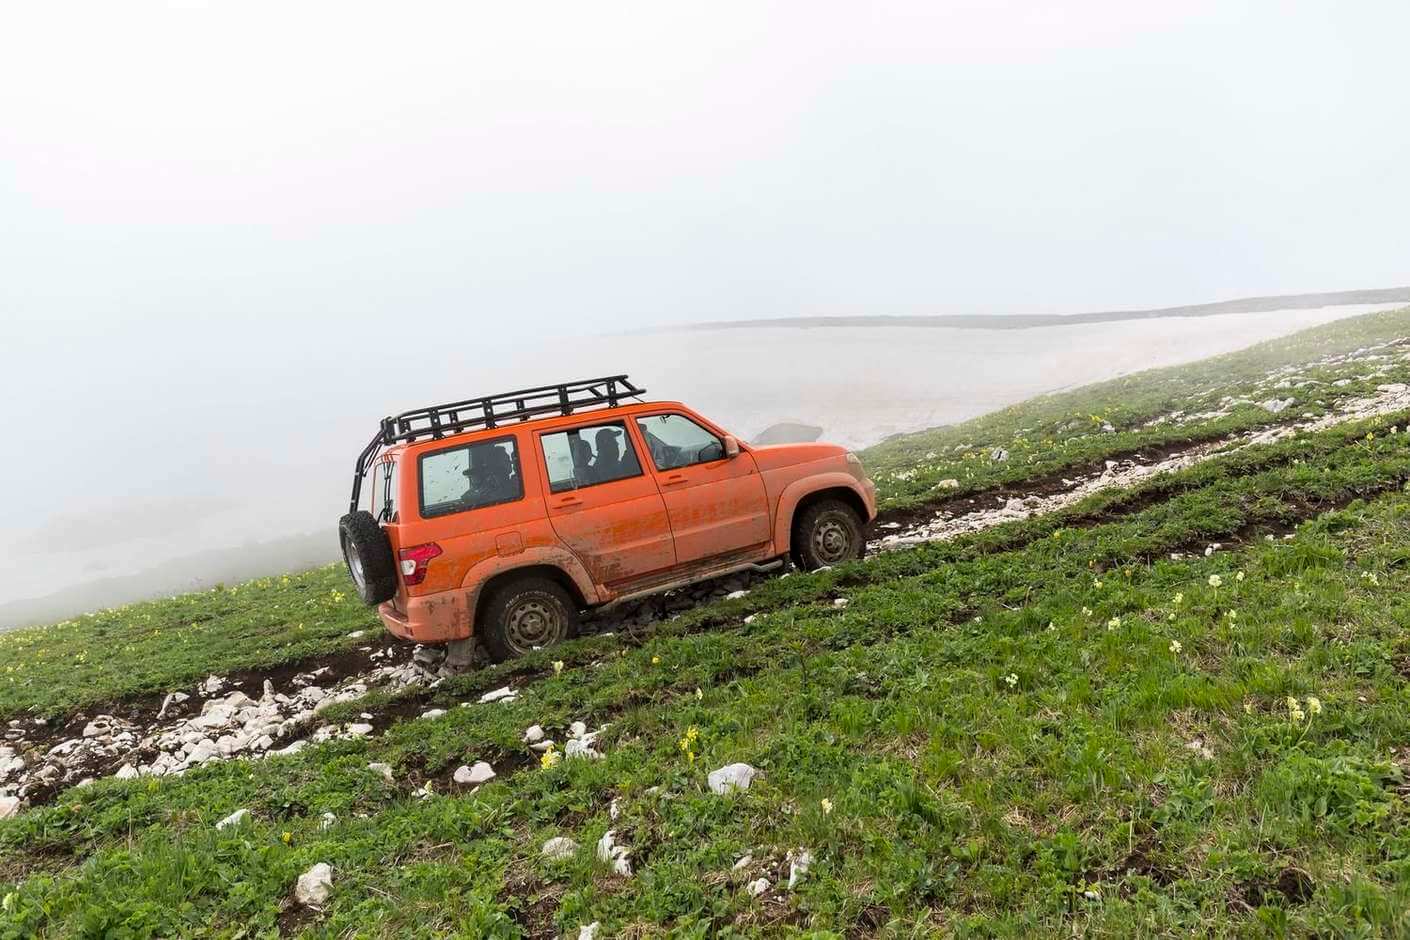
430	618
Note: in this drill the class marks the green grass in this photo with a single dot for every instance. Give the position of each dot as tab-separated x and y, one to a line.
161	646
1053	433
1047	728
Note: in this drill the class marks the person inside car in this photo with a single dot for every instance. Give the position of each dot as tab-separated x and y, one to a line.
609	464
490	479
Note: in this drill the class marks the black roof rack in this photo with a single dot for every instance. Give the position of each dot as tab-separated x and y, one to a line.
491	411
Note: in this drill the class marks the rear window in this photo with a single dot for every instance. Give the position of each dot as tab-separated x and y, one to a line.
458	479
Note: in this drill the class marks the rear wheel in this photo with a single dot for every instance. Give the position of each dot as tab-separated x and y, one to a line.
526	614
828	532
368	556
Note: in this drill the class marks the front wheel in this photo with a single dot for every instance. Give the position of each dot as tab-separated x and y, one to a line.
828	532
527	614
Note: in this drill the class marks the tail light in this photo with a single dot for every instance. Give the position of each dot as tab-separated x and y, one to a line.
414	561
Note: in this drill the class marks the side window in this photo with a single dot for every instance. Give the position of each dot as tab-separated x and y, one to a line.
461	478
598	453
384	490
675	441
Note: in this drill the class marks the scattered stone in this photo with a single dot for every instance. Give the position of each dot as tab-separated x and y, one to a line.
359	729
736	595
326	820
616	855
580	747
9	806
744	862
383	769
126	772
577	729
314	886
504	694
234	819
1275	405
798	866
558	848
433	713
588	931
841	602
948	485
533	735
758	887
731	777
998	455
468	776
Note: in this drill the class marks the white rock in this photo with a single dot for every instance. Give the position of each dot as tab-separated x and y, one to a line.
736	595
616	855
533	735
750	619
798	866
234	819
577	729
732	777
466	776
359	729
326	820
578	747
744	862
840	602
541	746
126	772
293	748
503	693
383	769
202	752
213	684
356	634
588	931
314	886
756	888
559	848
433	713
1276	405
948	485
1014	505
9	806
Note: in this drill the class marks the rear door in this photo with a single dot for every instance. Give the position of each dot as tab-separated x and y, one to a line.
717	504
603	504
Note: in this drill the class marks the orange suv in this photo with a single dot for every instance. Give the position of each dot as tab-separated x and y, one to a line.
505	517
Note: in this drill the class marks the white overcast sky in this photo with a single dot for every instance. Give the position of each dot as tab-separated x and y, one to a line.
220	217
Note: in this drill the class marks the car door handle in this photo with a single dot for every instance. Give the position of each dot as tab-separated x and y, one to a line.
673	479
569	501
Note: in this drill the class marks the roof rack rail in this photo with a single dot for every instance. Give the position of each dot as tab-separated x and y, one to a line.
491	411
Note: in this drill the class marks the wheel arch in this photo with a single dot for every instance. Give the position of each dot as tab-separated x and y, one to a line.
509	575
797	498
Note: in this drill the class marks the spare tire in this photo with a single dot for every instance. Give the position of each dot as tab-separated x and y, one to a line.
368	555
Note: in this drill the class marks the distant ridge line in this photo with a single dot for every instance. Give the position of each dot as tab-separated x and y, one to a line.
1385	295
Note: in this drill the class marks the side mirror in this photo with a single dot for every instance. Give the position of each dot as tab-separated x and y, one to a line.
731	446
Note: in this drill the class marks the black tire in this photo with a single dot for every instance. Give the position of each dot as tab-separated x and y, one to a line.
368	555
827	533
525	613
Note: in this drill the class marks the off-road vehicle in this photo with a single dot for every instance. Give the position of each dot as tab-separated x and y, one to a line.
505	517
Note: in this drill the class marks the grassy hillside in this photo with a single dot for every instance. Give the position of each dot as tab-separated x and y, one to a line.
1086	721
